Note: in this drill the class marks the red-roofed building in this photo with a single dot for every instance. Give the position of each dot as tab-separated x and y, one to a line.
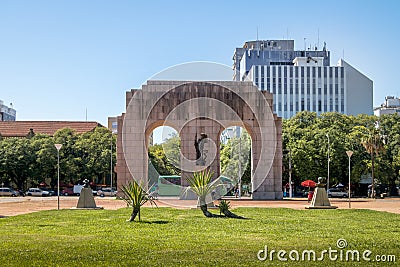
23	128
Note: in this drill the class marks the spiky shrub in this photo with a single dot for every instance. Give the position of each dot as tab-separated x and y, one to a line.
224	206
135	196
200	183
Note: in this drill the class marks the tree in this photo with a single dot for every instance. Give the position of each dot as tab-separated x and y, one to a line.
46	158
373	144
94	153
389	127
165	157
69	156
305	136
17	160
235	157
31	160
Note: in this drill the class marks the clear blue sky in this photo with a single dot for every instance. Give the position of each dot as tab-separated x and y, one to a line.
59	58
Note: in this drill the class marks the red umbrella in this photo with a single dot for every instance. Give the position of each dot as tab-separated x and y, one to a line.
308	183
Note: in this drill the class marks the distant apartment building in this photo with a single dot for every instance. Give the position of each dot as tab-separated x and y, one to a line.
303	80
390	106
7	113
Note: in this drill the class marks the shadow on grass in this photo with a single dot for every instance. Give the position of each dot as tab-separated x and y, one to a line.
153	222
1	216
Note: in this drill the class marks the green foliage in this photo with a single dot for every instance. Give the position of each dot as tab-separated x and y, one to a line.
135	196
165	157
200	183
305	135
17	160
182	237
237	151
29	161
224	206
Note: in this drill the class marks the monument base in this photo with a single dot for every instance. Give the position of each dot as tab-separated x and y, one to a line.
320	198
86	199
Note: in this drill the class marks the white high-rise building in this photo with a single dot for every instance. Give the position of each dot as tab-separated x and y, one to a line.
303	80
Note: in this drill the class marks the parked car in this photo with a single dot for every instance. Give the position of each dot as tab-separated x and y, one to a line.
37	192
51	192
336	192
67	191
107	191
9	192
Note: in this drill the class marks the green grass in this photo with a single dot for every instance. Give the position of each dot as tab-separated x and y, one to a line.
171	237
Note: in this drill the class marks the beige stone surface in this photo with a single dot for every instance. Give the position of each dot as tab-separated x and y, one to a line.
192	108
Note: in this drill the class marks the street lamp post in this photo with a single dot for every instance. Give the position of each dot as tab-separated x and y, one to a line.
111	165
58	147
349	154
329	147
240	165
290	175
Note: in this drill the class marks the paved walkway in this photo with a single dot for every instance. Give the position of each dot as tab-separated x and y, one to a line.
11	206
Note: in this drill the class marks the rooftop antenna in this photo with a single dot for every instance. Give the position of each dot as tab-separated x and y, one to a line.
257	33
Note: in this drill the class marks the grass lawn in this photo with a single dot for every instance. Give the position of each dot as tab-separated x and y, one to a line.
171	237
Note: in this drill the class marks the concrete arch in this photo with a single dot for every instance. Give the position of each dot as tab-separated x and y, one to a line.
202	107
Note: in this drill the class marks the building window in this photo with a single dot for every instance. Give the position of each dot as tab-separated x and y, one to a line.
256	76
262	78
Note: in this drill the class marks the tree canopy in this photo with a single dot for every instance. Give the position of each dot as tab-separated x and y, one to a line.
306	136
30	161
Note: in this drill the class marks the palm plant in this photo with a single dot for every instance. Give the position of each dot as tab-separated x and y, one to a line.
224	207
135	196
373	144
202	186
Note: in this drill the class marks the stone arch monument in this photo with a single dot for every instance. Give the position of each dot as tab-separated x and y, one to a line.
200	111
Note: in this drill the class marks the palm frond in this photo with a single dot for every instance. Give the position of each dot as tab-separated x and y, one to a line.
135	195
200	183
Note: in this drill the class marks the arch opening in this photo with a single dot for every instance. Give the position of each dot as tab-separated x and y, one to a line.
236	161
163	151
